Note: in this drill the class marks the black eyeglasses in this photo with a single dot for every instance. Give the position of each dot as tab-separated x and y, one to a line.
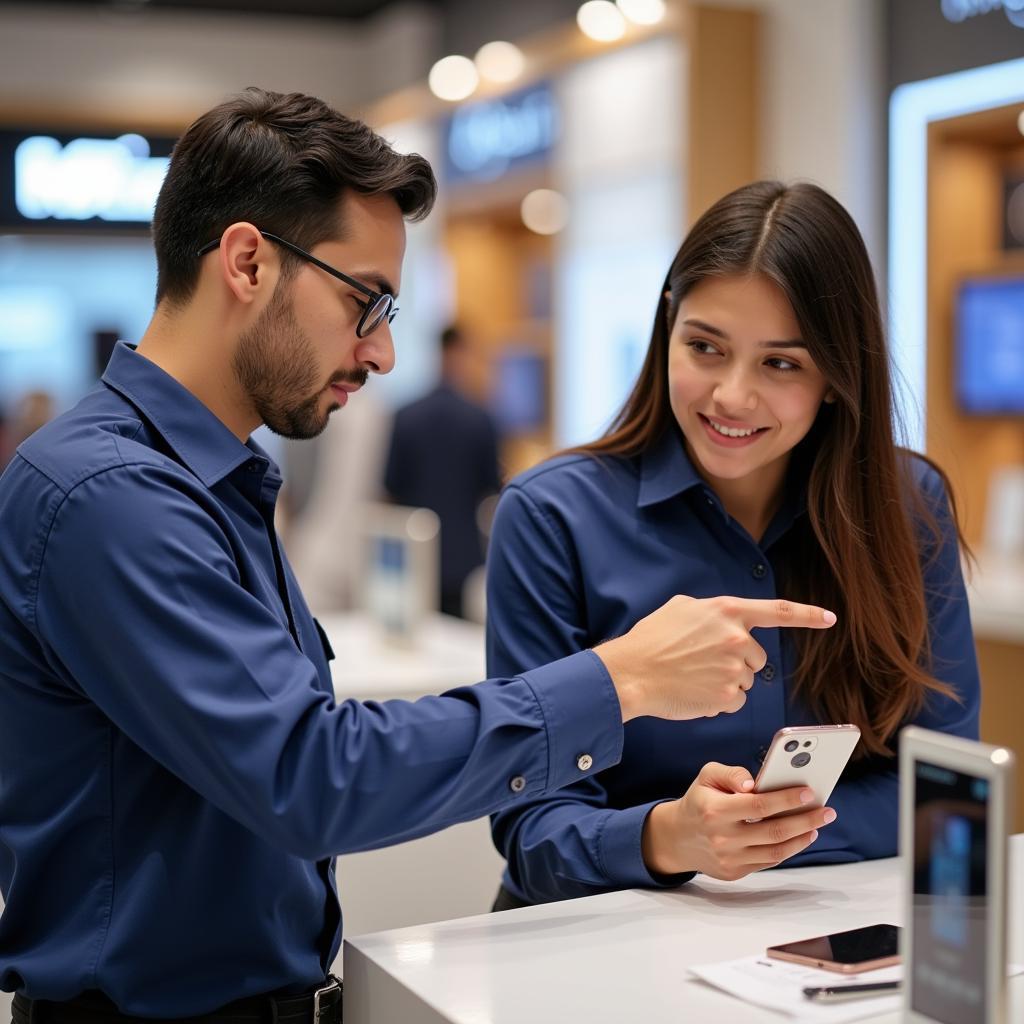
380	306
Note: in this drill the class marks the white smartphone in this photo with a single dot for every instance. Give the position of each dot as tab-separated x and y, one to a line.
807	755
955	807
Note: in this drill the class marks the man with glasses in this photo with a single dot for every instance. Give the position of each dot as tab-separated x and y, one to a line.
175	775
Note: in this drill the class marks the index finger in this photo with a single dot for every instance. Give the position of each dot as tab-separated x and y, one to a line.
780	612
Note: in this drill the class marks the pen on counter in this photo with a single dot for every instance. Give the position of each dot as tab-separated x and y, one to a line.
838	993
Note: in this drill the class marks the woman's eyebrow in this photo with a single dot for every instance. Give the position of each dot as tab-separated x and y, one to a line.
703	325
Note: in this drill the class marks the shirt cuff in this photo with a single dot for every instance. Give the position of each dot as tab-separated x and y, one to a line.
582	717
621	853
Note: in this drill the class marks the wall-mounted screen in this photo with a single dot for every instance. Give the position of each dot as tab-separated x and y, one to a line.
990	346
86	182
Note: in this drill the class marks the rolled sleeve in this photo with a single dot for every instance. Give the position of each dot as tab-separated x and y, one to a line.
221	695
583	717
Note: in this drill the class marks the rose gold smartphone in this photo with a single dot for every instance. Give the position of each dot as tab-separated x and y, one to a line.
807	755
849	952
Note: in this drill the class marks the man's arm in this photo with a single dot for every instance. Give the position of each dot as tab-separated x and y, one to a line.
140	607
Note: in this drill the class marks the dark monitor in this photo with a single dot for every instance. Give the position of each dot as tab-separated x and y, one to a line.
955	805
990	346
951	898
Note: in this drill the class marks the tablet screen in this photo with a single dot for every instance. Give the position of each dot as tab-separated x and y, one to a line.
950	888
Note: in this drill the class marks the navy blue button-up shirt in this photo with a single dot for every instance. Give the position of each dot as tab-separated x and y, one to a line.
175	774
582	548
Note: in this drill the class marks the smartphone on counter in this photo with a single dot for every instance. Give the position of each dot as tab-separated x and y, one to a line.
849	952
807	755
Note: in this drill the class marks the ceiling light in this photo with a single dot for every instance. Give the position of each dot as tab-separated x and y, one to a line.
642	12
601	20
453	78
500	62
545	211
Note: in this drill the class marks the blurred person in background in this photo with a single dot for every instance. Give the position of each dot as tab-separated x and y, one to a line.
170	854
755	457
33	410
444	456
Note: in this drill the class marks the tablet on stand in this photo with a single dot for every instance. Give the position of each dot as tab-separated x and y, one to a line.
955	806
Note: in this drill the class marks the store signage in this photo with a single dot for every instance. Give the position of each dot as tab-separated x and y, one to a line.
486	139
961	10
80	180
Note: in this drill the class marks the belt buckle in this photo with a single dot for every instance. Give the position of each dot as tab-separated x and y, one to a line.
333	984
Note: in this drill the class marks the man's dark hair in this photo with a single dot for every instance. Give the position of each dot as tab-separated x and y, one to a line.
450	337
281	162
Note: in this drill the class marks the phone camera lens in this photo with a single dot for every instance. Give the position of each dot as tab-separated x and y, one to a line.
791	746
801	759
807	743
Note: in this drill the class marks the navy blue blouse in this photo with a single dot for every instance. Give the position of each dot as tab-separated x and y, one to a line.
581	549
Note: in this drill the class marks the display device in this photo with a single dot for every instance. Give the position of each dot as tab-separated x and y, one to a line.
954	812
398	582
990	346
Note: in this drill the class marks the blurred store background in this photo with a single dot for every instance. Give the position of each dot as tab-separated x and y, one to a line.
574	143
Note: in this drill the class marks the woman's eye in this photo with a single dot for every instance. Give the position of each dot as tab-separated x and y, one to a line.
783	365
704	348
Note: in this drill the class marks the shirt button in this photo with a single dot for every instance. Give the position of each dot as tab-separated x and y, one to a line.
759	571
517	783
253	466
584	762
768	672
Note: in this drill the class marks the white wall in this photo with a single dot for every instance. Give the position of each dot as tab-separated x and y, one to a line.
823	104
620	163
167	66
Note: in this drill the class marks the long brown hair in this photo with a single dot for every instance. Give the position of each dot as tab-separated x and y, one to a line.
859	550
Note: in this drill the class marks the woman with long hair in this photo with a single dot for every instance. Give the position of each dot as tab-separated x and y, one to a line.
756	457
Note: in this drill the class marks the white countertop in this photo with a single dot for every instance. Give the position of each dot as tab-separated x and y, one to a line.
622	957
995	589
447	652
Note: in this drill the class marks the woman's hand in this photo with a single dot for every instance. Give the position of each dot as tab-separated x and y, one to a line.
720	828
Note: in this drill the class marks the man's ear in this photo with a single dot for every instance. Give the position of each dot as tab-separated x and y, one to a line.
248	262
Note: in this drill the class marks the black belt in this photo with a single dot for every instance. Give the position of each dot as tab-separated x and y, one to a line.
320	1006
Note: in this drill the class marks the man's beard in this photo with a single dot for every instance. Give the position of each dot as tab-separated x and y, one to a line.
275	365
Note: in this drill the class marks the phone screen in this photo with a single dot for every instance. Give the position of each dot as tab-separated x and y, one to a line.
856	946
950	851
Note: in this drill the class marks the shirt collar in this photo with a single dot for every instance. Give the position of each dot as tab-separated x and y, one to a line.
666	470
202	442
